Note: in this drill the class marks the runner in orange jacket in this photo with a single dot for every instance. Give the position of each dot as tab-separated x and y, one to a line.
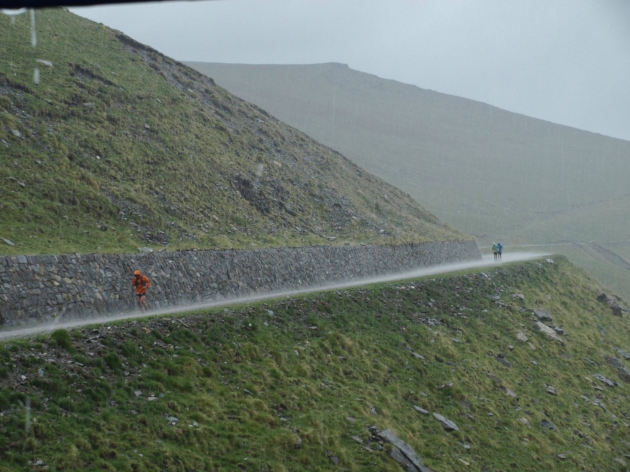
142	283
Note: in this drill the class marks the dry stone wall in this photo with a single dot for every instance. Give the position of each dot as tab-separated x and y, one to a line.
41	288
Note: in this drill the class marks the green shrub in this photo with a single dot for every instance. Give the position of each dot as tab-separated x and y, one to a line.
61	338
113	361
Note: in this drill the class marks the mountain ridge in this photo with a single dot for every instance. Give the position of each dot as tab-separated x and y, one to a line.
478	139
402	84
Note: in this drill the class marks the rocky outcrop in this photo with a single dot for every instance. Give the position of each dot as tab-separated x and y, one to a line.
548	331
41	288
612	302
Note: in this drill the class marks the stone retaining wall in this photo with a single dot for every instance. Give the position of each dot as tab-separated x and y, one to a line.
39	288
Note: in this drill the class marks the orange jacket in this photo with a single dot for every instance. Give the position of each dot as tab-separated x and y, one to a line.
141	283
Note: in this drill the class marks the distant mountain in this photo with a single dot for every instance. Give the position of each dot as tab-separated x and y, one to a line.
487	171
108	145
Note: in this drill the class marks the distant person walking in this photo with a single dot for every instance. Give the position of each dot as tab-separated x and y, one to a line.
495	251
141	283
499	249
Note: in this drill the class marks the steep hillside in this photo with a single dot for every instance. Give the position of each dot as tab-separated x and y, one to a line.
107	145
306	383
487	171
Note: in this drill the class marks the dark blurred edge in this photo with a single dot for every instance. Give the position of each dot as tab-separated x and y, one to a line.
15	4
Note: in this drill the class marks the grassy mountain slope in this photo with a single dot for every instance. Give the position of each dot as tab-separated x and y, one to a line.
286	385
487	171
612	274
601	225
473	164
118	146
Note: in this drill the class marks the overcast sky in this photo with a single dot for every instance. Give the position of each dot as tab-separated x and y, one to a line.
565	61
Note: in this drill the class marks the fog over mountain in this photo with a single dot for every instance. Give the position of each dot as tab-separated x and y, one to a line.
482	168
564	61
487	171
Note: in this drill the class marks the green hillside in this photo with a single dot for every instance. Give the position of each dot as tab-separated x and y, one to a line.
295	384
486	171
612	272
118	147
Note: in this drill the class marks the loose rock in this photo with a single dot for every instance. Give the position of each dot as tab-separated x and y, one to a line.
616	309
593	363
623	354
447	424
503	361
547	425
420	410
8	242
403	453
542	315
548	331
604	380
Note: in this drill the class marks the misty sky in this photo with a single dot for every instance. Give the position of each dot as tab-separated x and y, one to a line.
566	61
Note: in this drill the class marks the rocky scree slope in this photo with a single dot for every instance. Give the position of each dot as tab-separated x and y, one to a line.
113	146
523	367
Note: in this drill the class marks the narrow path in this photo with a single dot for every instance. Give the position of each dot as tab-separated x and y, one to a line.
557	243
487	261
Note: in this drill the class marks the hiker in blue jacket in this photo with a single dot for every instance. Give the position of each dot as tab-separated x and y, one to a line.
499	250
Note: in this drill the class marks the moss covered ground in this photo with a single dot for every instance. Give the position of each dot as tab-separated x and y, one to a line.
285	385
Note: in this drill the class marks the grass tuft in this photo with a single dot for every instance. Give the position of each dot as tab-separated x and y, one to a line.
61	338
